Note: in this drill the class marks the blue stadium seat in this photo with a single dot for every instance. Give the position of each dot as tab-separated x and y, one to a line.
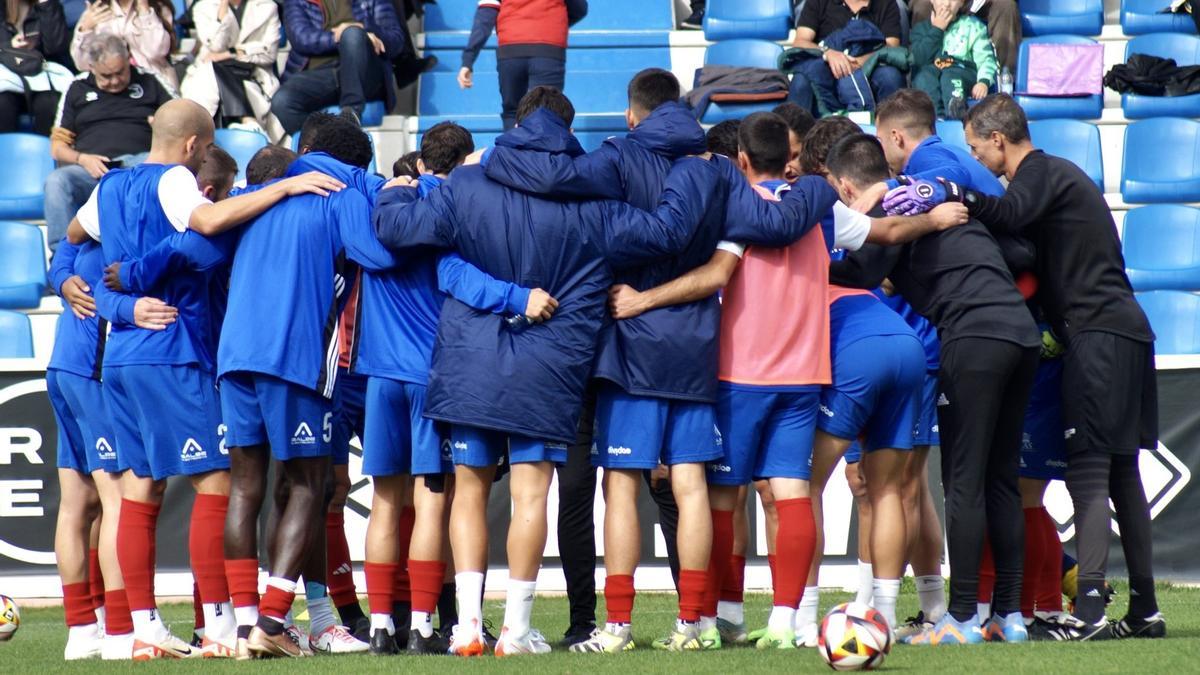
765	19
610	20
372	115
1146	16
242	145
22	265
1162	161
1175	319
22	182
73	9
1161	243
746	53
952	132
1185	49
16	335
1075	140
1071	17
1043	107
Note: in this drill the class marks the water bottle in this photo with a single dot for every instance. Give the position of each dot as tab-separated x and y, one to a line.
1005	83
517	322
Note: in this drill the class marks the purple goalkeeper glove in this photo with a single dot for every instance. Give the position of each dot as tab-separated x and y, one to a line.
920	196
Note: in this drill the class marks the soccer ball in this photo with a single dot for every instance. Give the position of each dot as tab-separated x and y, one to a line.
854	636
10	618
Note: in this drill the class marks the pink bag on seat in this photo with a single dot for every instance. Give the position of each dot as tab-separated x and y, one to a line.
1064	70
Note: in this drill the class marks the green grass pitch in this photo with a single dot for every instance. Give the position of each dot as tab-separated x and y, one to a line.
37	648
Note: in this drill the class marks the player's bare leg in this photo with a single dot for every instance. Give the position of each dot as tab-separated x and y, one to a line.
426	564
689	484
78	508
857	480
469	542
622	549
924	543
383	557
206	535
884	469
529	484
118	624
248	487
827	451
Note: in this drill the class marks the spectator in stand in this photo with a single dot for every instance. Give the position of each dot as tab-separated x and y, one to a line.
147	26
233	76
39	27
696	20
532	52
341	55
1003	19
824	88
952	58
103	122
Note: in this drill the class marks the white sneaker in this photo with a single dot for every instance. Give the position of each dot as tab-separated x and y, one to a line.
296	634
117	647
337	640
806	636
467	640
532	642
83	642
167	646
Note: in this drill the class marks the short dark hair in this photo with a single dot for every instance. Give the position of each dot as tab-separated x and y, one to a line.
269	163
908	109
406	165
312	124
763	136
651	88
345	141
860	158
798	119
549	98
998	112
722	138
218	170
445	146
817	142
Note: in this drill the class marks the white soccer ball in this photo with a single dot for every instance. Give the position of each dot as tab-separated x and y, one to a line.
10	618
853	636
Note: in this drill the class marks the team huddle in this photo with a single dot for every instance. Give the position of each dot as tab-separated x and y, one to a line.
710	311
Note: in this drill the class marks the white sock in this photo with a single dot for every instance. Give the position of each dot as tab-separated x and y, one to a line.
422	622
219	623
89	631
707	623
100	615
866	577
148	625
733	612
886	592
383	622
931	591
612	627
468	588
246	616
782	618
519	606
320	609
806	614
983	611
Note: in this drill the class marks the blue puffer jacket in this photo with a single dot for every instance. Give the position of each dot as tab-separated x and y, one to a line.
531	382
670	352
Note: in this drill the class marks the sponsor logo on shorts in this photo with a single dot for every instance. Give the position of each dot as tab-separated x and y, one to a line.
935	429
720	468
825	410
717	436
104	450
942	400
461	446
1026	445
619	450
555	446
303	435
1056	463
595	449
192	451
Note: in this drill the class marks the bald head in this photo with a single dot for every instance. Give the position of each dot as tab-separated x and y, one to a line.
182	133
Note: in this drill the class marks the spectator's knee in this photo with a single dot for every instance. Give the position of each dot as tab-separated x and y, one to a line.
353	38
57	180
887	78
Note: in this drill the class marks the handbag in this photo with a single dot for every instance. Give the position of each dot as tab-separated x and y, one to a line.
23	62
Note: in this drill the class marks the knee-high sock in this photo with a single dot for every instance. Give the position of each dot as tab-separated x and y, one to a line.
1049	576
733	588
691	594
381	586
206	543
95	578
242	575
117	619
795	544
136	529
1133	517
987	575
1035	557
402	589
77	604
718	561
198	608
339	570
618	597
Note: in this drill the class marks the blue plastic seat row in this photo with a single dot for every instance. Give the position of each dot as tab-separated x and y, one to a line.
1086	17
1175	319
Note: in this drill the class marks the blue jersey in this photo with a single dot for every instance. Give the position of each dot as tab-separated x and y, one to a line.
283	309
78	343
933	159
925	331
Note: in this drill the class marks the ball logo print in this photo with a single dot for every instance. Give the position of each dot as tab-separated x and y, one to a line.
28	473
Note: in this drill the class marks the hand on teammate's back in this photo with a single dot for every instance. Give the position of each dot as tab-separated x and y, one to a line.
400	181
950	214
153	314
78	296
625	302
313	182
112	277
541	306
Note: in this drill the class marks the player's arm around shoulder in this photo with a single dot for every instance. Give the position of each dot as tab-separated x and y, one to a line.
211	219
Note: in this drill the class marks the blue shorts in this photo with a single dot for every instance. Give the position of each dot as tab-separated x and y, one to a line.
166	419
876	384
640	432
349	394
259	408
399	439
1043	450
854	453
925	430
766	434
472	446
85	439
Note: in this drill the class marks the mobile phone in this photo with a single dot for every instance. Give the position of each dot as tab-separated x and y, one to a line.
114	164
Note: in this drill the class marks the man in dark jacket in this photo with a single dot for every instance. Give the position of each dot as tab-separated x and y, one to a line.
340	55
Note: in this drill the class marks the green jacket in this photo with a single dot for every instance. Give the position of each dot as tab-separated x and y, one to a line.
965	40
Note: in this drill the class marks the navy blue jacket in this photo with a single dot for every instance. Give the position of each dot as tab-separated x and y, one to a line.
670	352
531	382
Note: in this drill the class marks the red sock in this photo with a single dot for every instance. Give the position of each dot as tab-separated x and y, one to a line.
206	543
1035	553
117	620
95	578
77	603
718	561
136	529
734	586
276	602
381	586
691	594
339	570
243	581
1049	597
197	607
795	543
425	578
618	597
987	574
403	592
771	566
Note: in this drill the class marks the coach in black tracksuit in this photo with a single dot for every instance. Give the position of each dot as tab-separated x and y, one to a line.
1110	404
